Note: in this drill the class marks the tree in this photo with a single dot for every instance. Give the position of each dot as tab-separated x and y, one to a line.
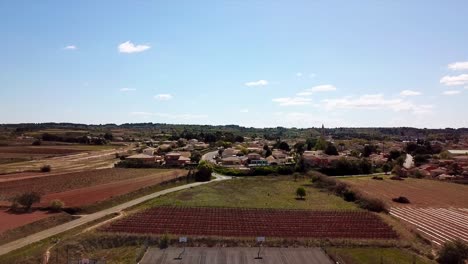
299	148
398	171
310	143
204	171
386	168
284	146
331	150
239	139
321	144
56	205
394	154
301	192
108	136
453	252
195	156
28	199
46	168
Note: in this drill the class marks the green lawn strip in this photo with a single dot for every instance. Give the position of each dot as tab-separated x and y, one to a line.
277	192
372	255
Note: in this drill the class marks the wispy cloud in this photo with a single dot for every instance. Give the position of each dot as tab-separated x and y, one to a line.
70	47
316	89
163	97
257	83
290	101
245	110
375	101
323	88
127	89
298	74
451	92
458	66
405	93
457	80
169	115
129	47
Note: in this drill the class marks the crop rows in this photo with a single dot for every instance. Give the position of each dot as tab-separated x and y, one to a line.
255	222
438	224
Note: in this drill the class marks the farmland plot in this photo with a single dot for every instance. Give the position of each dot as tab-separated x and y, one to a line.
439	225
230	222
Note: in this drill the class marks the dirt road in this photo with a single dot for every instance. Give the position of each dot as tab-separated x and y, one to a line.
4	249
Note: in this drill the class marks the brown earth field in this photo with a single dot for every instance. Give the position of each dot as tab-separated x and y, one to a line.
420	192
81	188
11	220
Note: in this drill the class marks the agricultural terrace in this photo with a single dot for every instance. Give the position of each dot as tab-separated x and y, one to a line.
255	192
420	192
83	188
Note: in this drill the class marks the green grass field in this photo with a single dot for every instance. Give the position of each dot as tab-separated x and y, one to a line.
254	192
367	255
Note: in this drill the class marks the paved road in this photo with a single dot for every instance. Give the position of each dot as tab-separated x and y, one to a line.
209	156
4	249
236	255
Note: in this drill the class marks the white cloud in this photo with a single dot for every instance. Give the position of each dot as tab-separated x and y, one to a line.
451	92
454	80
257	83
316	89
405	93
312	75
304	94
288	101
163	97
168	115
323	88
127	89
458	66
375	101
299	74
129	47
70	47
245	110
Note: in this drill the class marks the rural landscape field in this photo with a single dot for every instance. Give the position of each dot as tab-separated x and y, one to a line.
234	132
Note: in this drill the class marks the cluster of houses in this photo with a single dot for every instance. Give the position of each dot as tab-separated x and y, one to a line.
234	158
168	152
447	169
149	156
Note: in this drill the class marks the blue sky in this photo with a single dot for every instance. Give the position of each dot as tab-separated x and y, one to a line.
252	63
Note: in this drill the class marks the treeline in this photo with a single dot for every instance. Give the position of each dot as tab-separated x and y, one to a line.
174	130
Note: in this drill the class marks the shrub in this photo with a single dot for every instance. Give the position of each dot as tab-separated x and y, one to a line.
371	204
349	196
46	168
37	142
401	199
56	205
164	241
396	178
340	188
453	252
301	192
204	171
27	200
377	178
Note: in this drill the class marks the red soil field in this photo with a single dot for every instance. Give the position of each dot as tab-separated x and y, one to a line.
59	183
102	192
39	150
9	220
230	222
420	192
